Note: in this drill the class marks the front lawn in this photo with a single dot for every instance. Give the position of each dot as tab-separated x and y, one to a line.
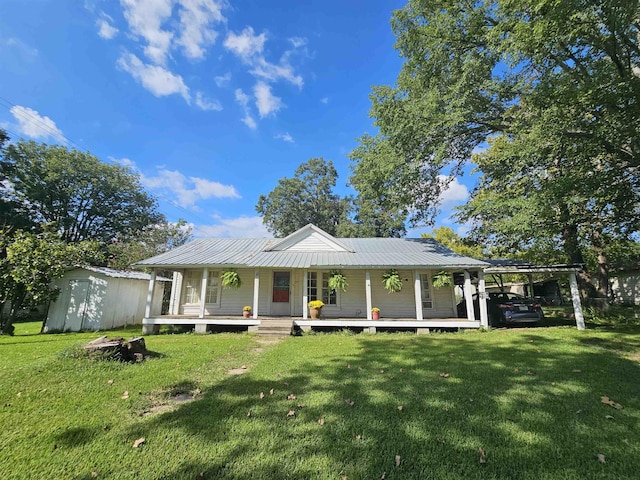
509	403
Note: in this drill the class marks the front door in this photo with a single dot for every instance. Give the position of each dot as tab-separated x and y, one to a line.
280	301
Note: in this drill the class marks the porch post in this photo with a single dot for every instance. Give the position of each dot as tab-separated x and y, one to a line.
575	298
177	288
417	292
467	296
203	291
152	287
172	298
531	294
305	295
482	300
256	292
367	284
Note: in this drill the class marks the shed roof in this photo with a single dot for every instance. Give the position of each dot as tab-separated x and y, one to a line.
352	252
111	272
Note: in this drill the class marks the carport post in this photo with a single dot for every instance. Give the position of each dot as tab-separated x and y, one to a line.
467	296
482	300
575	299
305	295
152	287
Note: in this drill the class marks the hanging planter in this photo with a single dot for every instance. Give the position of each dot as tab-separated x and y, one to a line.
442	279
230	279
337	281
392	281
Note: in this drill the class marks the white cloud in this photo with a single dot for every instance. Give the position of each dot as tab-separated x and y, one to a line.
243	100
188	190
195	18
324	100
34	125
106	30
20	46
453	193
240	227
145	19
249	121
245	44
223	80
269	71
266	102
205	104
241	97
158	80
125	162
285	137
298	42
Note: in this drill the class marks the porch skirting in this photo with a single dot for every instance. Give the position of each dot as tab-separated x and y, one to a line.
152	324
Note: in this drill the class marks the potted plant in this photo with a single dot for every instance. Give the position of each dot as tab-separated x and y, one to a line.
375	313
392	281
442	279
246	311
230	279
315	308
337	281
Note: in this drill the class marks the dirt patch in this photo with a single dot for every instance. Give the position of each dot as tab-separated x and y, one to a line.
269	341
169	400
237	371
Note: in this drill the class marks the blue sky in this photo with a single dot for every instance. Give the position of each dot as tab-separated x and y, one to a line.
210	101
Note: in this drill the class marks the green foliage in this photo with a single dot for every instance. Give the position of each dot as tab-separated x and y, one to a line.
442	279
337	281
454	242
150	241
82	197
230	279
392	281
306	198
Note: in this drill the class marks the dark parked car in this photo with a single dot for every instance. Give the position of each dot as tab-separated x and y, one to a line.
506	308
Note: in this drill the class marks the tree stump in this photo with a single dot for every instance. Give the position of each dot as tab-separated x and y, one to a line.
117	349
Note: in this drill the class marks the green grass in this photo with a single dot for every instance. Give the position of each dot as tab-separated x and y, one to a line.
530	398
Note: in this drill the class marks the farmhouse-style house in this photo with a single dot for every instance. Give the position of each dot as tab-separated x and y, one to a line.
280	276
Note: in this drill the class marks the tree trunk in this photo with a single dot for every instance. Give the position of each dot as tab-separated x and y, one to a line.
603	269
572	249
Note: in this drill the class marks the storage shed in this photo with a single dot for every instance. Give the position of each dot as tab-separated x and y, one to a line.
100	298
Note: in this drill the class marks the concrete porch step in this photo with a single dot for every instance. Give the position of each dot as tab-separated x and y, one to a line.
275	327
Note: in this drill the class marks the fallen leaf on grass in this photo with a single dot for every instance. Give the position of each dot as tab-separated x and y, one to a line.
286	384
358	438
397	460
576	371
516	370
249	413
444	375
348	365
553	384
261	394
94	474
402	370
608	417
400	408
381	371
471	400
271	392
243	367
483	455
301	405
138	442
321	421
606	400
529	372
383	476
19	394
349	402
601	458
291	396
292	413
125	395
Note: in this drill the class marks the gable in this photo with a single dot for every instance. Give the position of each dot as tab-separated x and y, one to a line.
309	239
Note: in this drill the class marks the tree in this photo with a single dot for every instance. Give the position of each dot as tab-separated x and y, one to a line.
306	198
83	197
28	265
454	242
150	241
553	85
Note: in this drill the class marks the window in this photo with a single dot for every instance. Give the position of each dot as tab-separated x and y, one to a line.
193	284
320	290
427	301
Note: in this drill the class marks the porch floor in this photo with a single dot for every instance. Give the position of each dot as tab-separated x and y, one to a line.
152	324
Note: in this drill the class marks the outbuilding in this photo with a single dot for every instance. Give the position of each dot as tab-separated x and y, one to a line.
100	298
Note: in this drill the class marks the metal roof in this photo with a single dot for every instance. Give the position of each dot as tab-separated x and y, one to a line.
111	272
365	253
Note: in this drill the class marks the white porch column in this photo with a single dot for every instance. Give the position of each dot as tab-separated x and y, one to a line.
417	293
177	290
152	287
172	298
367	285
203	291
575	298
482	300
305	295
467	296
256	292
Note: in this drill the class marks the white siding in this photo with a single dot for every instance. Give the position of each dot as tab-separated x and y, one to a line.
626	288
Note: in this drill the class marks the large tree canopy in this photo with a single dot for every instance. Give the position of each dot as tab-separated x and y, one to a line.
307	197
84	198
552	87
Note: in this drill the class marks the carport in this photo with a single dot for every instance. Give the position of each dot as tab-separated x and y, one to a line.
507	266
